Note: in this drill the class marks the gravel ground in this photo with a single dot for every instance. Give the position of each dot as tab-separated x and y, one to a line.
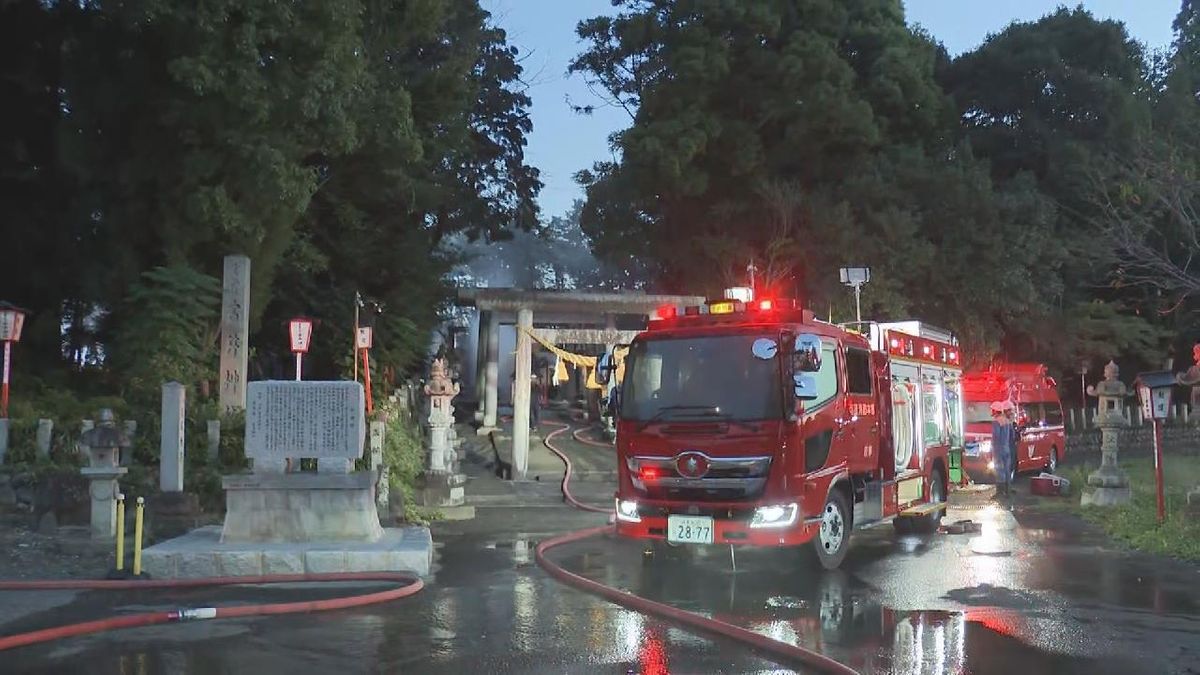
67	554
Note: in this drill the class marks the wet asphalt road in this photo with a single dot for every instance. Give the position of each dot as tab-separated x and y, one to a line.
1040	597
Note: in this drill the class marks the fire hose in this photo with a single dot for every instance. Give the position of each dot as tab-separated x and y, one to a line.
782	652
578	435
409	585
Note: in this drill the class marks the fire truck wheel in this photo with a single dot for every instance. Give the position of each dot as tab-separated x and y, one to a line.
833	540
937	494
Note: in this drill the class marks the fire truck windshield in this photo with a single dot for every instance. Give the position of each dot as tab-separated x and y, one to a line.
979	412
698	377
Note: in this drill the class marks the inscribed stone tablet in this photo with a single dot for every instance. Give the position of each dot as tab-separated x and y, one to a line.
304	419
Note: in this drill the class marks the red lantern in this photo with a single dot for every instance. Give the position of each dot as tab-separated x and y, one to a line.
300	334
12	319
300	338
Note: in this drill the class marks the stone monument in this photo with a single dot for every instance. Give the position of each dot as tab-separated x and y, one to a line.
103	442
285	522
1110	482
44	437
442	485
235	333
174	510
302	420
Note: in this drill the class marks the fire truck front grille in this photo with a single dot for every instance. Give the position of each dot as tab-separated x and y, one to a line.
751	490
721	478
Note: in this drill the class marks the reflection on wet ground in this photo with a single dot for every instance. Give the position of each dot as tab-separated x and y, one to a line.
1041	597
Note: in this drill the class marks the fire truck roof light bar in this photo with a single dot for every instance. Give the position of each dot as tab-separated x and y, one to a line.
724	307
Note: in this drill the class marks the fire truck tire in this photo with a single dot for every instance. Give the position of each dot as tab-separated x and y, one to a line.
833	539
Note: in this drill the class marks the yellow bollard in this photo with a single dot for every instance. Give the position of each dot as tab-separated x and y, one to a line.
137	538
120	532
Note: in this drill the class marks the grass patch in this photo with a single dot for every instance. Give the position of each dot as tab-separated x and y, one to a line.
1136	524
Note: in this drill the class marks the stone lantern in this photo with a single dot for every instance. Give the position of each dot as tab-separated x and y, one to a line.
1110	482
1191	378
104	443
442	484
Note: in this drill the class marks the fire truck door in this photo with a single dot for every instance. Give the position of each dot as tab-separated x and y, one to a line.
860	419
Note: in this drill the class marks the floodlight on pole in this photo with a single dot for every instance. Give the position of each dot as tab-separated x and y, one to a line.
856	278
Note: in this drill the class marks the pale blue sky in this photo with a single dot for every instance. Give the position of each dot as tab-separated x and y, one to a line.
563	142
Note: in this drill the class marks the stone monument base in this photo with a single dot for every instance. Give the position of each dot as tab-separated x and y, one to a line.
201	553
173	513
301	507
440	490
1106	496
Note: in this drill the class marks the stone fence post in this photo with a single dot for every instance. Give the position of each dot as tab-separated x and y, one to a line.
45	431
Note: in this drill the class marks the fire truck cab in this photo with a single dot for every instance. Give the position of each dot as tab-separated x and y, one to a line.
753	423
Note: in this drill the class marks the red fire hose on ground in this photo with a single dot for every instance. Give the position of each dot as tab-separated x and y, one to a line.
409	585
578	435
779	651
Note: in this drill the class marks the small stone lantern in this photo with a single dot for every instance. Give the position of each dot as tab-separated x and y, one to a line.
442	485
1110	482
104	443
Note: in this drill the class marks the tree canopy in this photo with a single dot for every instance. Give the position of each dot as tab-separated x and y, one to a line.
809	136
335	143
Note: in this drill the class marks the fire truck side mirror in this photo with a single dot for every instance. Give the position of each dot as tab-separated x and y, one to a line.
804	387
806	357
605	368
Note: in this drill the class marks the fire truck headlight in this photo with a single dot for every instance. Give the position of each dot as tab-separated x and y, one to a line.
991	465
627	510
775	516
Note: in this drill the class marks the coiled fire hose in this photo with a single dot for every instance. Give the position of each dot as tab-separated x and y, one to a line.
782	652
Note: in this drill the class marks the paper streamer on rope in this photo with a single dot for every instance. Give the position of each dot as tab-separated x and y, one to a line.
588	363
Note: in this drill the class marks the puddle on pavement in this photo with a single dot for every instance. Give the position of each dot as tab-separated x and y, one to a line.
837	614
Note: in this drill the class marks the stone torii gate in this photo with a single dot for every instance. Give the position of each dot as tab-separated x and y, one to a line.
600	312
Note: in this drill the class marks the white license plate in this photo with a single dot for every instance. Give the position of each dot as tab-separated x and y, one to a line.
690	529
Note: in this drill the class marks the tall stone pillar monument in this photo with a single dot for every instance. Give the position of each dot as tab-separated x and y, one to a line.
1110	482
235	333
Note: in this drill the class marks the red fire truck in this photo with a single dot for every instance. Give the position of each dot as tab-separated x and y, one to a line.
1034	394
753	423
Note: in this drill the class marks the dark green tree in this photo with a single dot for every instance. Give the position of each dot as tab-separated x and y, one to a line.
805	137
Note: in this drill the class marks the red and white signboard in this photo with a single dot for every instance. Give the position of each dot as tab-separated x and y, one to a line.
364	337
11	322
